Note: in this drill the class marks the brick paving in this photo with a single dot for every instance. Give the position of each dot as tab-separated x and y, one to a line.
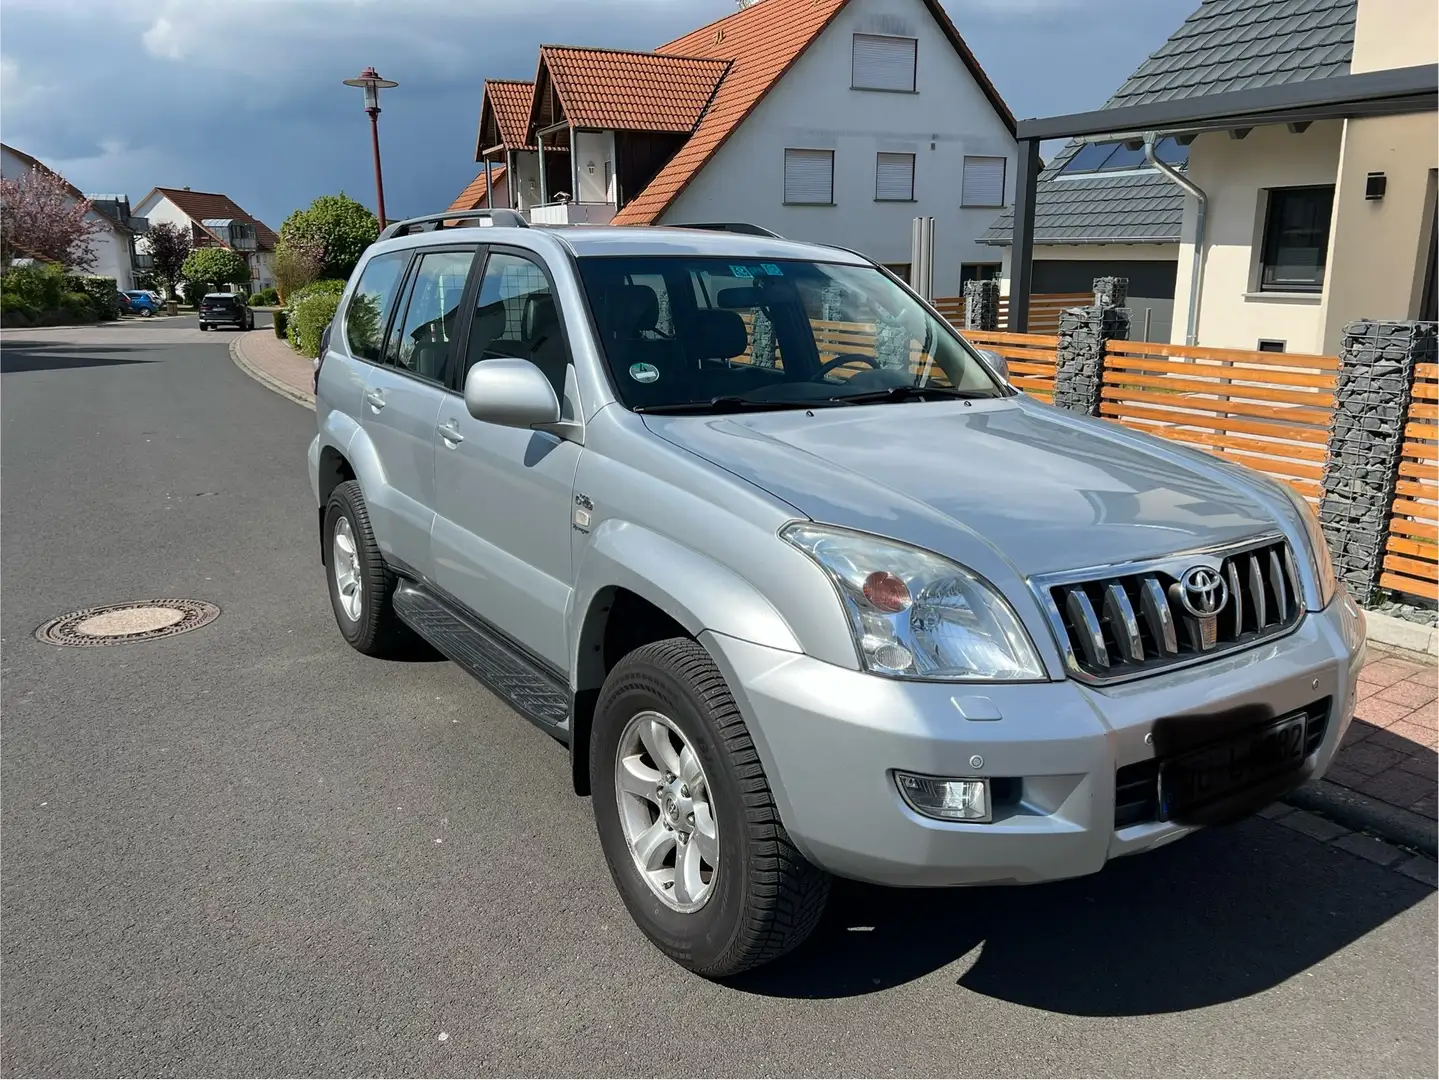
271	360
1391	748
1389	752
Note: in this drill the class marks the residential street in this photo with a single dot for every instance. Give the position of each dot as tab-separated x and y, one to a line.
250	850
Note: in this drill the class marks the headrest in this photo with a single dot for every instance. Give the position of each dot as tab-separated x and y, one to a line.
630	309
540	316
722	334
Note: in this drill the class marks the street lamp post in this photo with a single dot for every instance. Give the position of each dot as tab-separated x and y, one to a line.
369	80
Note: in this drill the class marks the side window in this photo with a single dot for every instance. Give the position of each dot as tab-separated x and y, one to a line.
371	303
516	316
422	345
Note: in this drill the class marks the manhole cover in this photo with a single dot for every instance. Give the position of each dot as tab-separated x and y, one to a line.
121	624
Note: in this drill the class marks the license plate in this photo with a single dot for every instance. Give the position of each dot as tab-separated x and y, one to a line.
1200	777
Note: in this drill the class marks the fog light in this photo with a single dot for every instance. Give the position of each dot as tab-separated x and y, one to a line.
947	800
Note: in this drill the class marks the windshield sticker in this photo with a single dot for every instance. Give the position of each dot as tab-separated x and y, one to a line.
741	271
644	373
771	269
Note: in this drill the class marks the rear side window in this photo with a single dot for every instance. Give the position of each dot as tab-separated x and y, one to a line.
423	344
370	306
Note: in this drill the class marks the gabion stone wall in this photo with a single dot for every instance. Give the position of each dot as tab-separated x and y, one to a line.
1366	438
1111	291
1079	367
981	305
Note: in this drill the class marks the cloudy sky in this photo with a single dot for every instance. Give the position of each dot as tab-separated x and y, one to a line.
246	98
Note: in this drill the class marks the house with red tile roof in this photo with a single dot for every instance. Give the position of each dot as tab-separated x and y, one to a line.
836	121
114	244
216	220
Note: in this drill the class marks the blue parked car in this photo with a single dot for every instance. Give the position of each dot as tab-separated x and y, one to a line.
142	302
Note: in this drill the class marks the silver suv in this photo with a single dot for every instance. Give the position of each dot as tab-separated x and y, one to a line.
805	585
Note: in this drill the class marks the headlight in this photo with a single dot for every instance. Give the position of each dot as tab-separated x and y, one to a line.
917	615
1318	546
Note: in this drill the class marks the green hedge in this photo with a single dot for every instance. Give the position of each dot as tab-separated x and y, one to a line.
281	317
100	290
265	298
308	318
45	295
326	287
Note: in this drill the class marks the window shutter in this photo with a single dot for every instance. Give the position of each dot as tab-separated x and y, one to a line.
894	178
883	63
809	176
983	181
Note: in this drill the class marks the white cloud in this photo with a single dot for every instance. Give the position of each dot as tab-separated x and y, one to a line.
163	40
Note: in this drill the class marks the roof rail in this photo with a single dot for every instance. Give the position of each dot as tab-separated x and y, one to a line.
497	216
728	226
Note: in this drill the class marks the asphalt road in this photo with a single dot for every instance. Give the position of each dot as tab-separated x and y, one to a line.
250	850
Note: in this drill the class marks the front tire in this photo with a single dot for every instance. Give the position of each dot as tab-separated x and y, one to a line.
687	820
361	585
204	327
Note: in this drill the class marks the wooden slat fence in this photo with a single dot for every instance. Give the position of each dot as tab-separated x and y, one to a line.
1031	358
1411	554
1268	411
1044	309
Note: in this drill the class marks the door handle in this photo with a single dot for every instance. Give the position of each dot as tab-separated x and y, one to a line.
376	399
450	432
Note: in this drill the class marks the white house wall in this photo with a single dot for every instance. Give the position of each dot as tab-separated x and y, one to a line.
595	148
813	107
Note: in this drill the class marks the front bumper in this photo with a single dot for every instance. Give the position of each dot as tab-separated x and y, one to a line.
830	738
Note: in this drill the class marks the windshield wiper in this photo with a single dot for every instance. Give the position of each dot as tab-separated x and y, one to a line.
910	392
732	403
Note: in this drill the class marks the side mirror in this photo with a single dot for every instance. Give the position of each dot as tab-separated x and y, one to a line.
511	393
998	363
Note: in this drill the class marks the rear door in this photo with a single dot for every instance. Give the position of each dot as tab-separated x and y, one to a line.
402	399
506	495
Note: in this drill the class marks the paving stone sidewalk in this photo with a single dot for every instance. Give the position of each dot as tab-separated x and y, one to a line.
1389	752
270	360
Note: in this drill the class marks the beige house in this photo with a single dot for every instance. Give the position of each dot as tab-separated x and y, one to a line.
1312	136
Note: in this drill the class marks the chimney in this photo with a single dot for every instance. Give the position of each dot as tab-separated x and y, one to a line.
187	187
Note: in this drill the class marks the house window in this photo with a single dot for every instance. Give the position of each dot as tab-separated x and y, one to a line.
977	272
883	63
809	177
894	178
983	181
1296	239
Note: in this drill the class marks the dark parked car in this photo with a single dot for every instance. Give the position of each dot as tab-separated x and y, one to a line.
227	308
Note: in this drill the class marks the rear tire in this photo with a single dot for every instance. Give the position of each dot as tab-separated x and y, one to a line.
761	898
203	328
361	585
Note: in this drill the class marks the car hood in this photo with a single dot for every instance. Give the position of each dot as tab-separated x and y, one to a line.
1046	489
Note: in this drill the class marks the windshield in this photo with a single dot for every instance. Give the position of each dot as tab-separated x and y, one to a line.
690	334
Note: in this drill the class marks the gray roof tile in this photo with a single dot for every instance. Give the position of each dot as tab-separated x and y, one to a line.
1225	45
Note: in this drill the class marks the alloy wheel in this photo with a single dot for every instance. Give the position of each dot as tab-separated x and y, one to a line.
345	560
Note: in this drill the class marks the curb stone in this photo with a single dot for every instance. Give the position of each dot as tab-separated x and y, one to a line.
1401	633
299	397
1361	813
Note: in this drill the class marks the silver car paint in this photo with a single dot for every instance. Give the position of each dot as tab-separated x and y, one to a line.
686	512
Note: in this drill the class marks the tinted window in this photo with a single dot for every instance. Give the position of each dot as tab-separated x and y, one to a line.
369	307
515	316
1296	238
422	345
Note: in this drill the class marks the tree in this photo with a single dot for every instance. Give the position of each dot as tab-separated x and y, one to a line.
294	266
42	217
335	226
210	267
169	246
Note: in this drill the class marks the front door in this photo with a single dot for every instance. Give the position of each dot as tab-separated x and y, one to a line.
501	539
402	401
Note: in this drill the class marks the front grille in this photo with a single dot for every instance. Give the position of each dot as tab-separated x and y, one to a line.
1133	621
1136	786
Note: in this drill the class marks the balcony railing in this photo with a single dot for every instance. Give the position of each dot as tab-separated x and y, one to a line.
569	213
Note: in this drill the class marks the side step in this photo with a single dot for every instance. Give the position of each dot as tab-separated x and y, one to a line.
529	688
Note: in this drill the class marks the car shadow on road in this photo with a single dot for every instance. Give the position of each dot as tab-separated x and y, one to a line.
58	356
1222	915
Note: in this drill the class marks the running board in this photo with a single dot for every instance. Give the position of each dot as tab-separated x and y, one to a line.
503	667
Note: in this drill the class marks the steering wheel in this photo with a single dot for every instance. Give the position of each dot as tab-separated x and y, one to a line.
847	358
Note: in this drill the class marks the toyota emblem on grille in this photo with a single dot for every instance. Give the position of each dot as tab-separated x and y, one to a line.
1202	592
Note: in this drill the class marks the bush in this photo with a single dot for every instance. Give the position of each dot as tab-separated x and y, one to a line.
308	319
39	286
100	290
335	229
324	287
265	298
17	311
209	267
281	318
76	307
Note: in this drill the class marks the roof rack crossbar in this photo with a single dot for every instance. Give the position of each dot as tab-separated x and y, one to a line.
497	216
728	226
